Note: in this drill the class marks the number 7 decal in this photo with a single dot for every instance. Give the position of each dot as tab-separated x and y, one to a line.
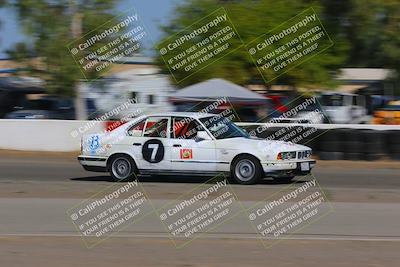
153	151
154	148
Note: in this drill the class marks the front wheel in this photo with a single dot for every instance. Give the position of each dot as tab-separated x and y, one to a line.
246	170
122	168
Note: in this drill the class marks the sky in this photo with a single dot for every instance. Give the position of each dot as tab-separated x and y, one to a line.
152	12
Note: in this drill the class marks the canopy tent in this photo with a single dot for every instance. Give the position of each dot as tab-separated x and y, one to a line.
214	89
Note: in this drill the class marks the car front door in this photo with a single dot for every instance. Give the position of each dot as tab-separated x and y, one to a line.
189	153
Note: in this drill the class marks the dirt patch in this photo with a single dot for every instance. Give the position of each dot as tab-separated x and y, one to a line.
138	251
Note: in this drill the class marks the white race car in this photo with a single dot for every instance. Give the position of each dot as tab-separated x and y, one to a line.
191	144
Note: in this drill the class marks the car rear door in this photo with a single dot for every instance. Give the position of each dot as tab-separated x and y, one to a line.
150	143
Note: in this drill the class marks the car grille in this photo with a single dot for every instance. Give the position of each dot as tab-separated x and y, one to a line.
306	154
293	155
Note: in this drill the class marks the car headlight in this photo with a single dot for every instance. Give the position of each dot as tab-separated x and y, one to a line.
286	155
305	154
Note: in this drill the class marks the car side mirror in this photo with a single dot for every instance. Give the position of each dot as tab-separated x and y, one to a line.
202	135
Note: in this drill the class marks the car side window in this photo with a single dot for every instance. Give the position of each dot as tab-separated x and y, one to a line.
137	129
354	98
185	128
156	127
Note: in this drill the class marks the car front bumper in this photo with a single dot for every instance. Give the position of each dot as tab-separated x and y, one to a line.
288	168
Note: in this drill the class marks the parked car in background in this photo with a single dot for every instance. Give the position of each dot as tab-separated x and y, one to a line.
344	107
44	107
390	114
279	104
14	90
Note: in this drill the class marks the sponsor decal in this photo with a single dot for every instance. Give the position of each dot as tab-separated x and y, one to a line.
186	153
94	144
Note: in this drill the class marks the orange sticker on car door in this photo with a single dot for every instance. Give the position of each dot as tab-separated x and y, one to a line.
186	153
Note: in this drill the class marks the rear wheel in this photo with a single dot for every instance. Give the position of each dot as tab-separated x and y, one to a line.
246	169
122	168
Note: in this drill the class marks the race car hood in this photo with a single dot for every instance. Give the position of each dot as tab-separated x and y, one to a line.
269	146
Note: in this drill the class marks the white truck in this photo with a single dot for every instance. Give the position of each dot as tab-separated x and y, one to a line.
344	108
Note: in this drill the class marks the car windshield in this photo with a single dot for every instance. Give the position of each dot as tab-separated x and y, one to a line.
392	107
39	104
222	128
335	100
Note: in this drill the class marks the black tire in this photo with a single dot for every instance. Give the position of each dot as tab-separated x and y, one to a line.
395	156
394	148
330	136
352	135
122	168
353	156
374	148
393	136
372	136
353	147
246	169
331	155
331	146
372	157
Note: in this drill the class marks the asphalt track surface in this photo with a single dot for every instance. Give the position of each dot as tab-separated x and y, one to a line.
336	174
361	229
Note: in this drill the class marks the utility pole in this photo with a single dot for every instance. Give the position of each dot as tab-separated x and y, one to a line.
76	32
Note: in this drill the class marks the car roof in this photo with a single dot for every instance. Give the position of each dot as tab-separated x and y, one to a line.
197	115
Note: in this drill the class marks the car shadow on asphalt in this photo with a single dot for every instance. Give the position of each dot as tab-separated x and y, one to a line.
178	179
148	179
102	178
275	182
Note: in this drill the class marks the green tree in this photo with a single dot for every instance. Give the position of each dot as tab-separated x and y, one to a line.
252	19
52	25
373	30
